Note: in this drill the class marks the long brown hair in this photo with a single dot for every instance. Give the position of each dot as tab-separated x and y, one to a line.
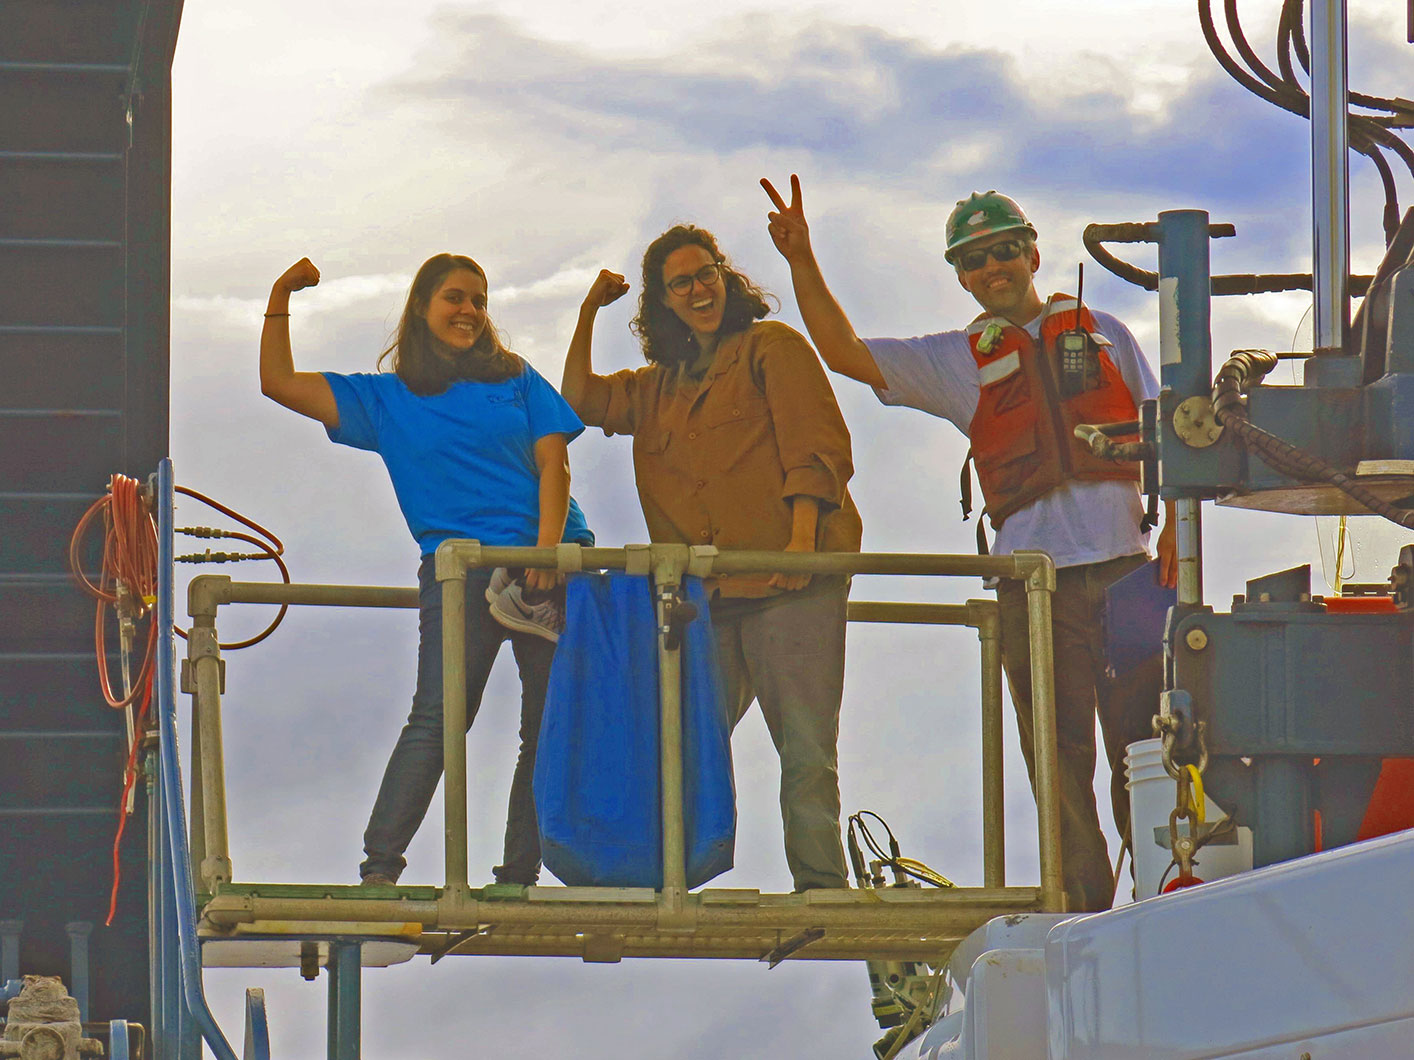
665	338
428	366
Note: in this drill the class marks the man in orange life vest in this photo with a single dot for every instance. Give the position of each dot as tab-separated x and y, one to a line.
999	380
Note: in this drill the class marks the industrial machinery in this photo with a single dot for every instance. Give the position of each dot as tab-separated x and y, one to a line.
1290	707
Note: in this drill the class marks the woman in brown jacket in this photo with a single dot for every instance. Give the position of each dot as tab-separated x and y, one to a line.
738	442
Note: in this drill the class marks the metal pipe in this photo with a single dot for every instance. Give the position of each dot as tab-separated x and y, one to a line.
667	579
1330	176
1043	711
1189	541
993	789
209	591
196	826
1185	304
345	1002
159	971
205	658
935	950
759	562
452	579
915	614
317	595
851	913
79	931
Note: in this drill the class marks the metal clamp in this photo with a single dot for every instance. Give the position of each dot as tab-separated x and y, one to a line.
678	614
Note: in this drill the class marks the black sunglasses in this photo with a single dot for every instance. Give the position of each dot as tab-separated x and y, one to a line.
1006	250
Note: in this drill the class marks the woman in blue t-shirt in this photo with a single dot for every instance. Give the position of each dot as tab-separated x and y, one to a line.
475	442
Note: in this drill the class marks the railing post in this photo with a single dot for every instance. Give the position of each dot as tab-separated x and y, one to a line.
345	1001
984	617
669	563
452	560
1040	580
208	752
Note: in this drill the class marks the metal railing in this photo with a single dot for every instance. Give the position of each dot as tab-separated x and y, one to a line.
578	919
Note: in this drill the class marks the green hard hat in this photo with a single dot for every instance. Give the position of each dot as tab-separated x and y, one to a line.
982	214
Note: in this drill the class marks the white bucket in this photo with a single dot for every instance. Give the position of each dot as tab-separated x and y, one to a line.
1152	795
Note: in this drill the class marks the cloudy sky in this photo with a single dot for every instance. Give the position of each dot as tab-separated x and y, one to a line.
554	141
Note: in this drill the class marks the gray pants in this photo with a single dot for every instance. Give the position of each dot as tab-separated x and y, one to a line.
787	652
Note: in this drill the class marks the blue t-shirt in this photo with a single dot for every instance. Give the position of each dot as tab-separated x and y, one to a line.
462	461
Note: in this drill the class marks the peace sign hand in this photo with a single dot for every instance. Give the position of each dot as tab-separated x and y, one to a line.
787	224
607	287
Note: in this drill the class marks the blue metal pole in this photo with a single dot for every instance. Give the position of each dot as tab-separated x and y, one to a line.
257	1026
344	968
194	1010
1186	361
1185	303
79	931
166	973
118	1048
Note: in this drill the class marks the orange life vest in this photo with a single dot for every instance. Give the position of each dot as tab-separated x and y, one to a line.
1023	433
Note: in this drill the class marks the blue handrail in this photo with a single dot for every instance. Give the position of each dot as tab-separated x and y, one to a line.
176	869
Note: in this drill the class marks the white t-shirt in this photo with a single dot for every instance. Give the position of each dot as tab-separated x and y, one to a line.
1077	522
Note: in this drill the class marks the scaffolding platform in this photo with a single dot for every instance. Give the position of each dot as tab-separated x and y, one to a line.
266	925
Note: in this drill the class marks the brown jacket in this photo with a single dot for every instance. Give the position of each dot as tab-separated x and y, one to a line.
717	462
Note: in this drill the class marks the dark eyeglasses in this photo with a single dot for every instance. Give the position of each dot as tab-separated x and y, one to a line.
1006	250
707	276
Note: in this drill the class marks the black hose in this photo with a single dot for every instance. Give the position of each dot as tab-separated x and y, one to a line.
1367	134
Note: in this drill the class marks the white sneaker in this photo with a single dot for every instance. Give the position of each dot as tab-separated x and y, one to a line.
500	578
545	619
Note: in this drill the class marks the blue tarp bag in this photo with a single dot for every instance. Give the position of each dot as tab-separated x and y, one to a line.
596	770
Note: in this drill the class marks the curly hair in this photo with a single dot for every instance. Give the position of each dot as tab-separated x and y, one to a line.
428	366
665	339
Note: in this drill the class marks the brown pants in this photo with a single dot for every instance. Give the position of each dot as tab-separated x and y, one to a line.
1126	705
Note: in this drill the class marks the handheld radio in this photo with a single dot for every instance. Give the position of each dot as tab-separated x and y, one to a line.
1079	356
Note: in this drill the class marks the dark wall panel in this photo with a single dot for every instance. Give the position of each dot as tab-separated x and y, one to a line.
46	111
39	615
42	693
62	370
71	454
53	199
66	31
73	287
36	540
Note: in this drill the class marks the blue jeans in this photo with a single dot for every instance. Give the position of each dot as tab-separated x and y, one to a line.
416	763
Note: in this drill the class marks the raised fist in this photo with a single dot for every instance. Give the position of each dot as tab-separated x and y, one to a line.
607	287
298	276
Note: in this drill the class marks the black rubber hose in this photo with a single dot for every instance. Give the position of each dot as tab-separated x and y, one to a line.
1303	56
1287	93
